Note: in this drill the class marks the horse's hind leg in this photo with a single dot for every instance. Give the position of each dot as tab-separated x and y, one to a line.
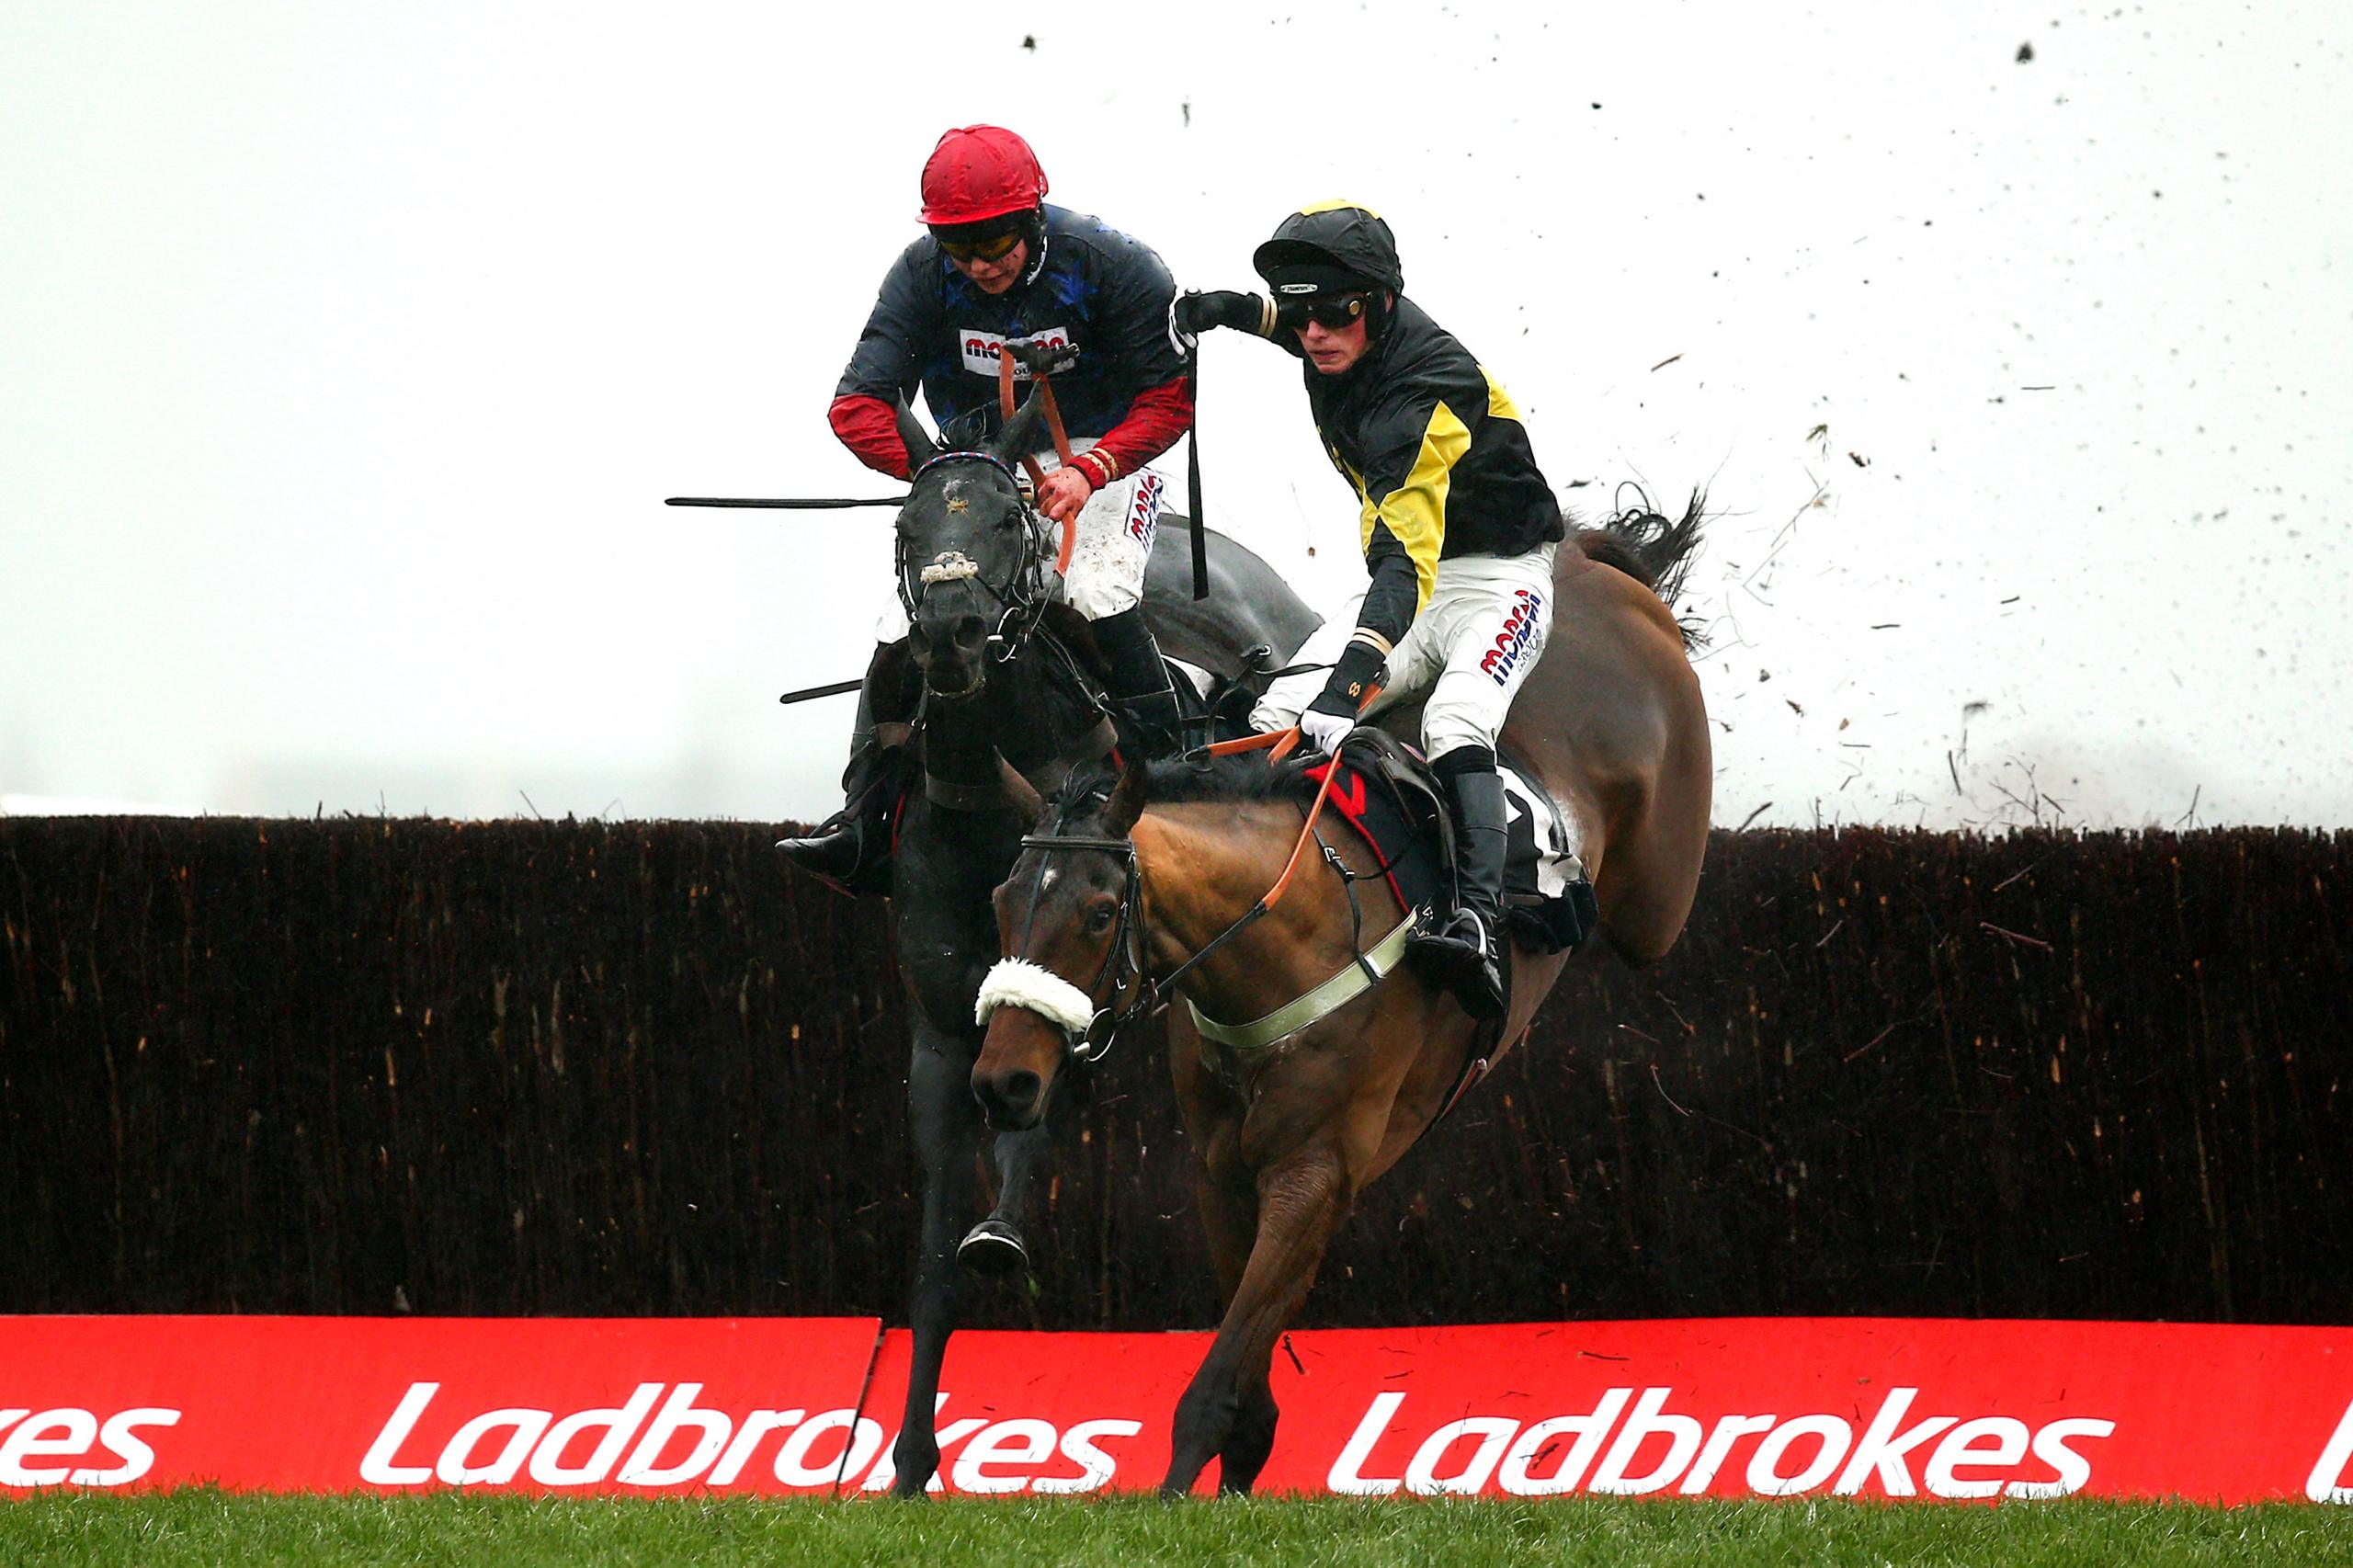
945	1121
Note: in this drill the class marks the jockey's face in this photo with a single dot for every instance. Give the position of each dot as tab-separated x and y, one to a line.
1332	350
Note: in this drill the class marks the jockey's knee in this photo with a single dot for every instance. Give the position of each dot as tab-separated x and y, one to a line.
1447	729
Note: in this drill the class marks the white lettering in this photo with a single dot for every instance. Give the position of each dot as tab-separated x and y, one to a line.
1882	1448
1494	1435
1021	1441
1347	1474
378	1469
677	1412
1682	1434
1961	1449
2325	1484
757	1425
547	1465
79	1429
117	1434
2050	1448
1518	1476
526	1424
1764	1477
792	1466
1096	1467
1727	1432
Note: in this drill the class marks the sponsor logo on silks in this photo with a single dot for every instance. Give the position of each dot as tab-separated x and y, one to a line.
71	1446
1143	512
1526	606
982	348
1654	1449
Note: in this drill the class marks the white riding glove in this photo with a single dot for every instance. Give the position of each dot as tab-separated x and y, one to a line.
1324	731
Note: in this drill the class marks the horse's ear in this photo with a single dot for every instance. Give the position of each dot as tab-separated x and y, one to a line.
921	448
1126	802
1027	804
1019	436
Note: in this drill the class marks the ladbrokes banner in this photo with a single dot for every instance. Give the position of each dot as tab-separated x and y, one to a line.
1731	1407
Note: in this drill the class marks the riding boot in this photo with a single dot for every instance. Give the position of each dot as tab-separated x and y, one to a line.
851	851
1143	699
1466	950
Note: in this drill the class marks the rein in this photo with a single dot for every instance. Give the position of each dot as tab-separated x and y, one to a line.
1053	427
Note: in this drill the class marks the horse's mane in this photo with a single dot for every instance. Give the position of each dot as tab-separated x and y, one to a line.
1654	552
1223	780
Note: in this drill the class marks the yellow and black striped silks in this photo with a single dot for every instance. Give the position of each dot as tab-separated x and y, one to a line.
1439	460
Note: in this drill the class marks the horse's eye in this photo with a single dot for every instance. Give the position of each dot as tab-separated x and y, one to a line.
1101	921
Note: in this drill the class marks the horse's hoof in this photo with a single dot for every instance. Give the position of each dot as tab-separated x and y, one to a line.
992	1247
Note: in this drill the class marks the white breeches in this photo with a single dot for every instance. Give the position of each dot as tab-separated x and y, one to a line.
1115	528
1469	650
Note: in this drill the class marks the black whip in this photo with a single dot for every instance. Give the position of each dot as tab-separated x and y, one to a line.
793	504
1193	473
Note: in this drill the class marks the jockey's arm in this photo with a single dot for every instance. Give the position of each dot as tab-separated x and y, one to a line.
882	368
1403	527
869	428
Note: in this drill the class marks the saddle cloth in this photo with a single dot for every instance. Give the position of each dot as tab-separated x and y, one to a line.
1385	792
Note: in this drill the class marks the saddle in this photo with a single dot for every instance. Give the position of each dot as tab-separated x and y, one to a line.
1387	794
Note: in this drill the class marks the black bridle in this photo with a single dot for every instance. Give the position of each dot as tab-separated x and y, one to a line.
1021	598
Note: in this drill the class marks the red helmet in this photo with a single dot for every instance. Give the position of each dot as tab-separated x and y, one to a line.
979	171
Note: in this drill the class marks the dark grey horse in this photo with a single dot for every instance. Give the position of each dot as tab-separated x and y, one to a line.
1004	694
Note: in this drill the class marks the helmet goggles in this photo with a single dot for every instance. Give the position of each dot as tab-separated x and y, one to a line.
1334	313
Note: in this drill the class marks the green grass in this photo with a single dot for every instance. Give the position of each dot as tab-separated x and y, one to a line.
197	1526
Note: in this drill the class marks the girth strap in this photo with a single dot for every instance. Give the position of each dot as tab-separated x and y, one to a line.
1358	976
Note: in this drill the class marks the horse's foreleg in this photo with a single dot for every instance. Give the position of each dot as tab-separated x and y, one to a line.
945	1120
1228	1193
1228	1410
995	1245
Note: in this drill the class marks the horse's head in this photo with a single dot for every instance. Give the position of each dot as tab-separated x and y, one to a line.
1069	921
972	556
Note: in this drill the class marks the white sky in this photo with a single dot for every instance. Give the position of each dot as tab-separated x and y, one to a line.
347	352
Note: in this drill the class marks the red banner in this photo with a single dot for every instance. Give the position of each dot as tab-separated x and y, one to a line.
1732	1407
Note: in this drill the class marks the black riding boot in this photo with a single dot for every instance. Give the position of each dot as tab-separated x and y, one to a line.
1468	947
850	850
1142	700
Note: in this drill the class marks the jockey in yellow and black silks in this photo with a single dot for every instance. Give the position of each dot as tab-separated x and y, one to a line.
1457	523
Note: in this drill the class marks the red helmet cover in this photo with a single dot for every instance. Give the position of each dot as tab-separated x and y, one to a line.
979	172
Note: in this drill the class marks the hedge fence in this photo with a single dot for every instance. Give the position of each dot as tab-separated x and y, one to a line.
384	1065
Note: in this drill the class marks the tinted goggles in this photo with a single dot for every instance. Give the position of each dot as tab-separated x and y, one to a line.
1331	311
993	248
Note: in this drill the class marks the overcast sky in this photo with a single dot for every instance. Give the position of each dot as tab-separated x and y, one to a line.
347	352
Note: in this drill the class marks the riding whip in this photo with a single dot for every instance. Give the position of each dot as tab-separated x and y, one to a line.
795	504
1193	472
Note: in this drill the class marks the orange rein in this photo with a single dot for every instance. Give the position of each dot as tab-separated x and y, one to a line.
1278	744
1053	427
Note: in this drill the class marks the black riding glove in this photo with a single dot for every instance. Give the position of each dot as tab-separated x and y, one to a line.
1358	671
1193	313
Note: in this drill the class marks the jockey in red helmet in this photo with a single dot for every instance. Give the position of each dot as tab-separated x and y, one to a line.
998	265
1458	525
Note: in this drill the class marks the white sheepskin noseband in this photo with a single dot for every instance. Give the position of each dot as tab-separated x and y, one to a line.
1017	982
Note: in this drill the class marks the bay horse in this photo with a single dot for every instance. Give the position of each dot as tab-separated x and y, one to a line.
1004	713
1114	894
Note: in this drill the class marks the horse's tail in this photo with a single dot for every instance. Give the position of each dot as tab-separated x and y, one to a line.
1646	547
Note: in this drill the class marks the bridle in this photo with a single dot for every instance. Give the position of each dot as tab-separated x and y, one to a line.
1021	597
